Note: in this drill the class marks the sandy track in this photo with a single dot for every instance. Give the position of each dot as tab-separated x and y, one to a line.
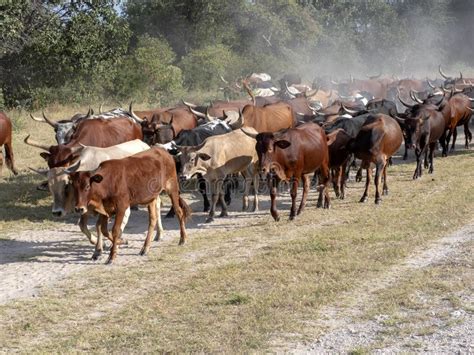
345	331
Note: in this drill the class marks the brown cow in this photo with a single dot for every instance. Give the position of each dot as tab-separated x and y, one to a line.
379	138
6	140
117	184
270	118
460	113
96	133
293	154
163	127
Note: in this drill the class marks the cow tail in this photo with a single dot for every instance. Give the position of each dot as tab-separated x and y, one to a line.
9	158
185	208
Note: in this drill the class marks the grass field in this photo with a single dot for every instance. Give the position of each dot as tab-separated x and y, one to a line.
256	286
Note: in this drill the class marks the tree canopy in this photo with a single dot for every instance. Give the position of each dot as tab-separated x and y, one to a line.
155	50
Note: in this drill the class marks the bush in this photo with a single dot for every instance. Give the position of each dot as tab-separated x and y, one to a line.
148	74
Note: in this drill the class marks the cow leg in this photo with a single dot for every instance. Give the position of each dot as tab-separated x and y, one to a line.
152	218
9	158
467	134
335	179
455	134
214	196
419	161
245	196
1	160
159	230
432	147
324	177
83	226
365	196
293	192
102	230
273	184
385	186
425	161
228	187
203	190
306	184
116	233
359	175
222	199
342	187
182	210
256	180
379	167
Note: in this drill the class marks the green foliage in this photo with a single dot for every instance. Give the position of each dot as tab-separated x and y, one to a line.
148	74
203	66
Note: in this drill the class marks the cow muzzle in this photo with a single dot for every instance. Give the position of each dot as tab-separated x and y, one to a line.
58	213
81	209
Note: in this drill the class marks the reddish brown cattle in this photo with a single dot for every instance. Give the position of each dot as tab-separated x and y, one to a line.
291	155
270	118
163	127
379	138
339	154
6	140
424	125
375	87
460	113
96	133
117	184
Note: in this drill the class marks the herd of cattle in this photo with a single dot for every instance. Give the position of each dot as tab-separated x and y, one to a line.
105	163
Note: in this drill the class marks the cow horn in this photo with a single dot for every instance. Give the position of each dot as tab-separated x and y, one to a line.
470	99
251	135
40	172
311	92
135	117
90	112
351	78
209	117
373	77
442	98
33	143
188	104
443	74
196	113
100	108
47	120
414	97
37	119
73	168
334	82
311	108
460	75
471	109
349	111
77	149
430	84
404	103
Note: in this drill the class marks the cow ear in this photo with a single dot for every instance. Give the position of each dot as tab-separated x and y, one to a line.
45	155
96	178
204	156
331	138
283	144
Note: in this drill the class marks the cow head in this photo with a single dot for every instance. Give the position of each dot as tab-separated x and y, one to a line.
193	161
267	147
60	186
414	126
158	130
83	183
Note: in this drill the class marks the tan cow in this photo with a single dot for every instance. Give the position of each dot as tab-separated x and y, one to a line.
218	157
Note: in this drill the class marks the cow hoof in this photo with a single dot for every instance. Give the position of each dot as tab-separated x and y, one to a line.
378	201
292	218
363	199
96	255
158	236
109	261
181	242
277	218
224	214
143	252
206	209
385	192
209	220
